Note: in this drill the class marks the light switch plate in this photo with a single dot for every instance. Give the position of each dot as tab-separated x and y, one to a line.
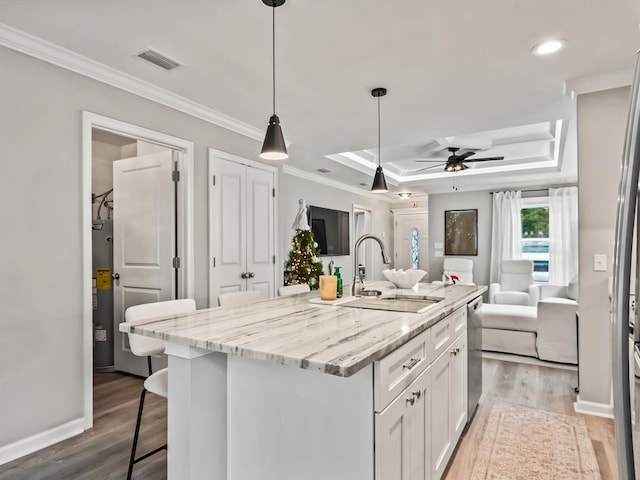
599	263
438	253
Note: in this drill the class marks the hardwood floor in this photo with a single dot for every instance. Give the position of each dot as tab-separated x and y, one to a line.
103	452
536	386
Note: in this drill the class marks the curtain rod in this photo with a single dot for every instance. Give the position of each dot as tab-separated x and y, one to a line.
541	189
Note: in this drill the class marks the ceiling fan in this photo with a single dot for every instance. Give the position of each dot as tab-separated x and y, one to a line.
456	163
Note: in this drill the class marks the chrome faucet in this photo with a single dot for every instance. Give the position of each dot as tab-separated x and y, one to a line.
357	286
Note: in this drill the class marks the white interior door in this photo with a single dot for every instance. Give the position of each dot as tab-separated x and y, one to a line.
144	241
229	207
260	225
242	227
411	228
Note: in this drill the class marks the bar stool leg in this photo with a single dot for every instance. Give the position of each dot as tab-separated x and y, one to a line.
135	435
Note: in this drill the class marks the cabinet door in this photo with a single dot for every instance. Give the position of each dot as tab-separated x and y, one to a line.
441	413
403	434
459	387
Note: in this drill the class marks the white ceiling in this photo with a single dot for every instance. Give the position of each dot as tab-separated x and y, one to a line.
452	69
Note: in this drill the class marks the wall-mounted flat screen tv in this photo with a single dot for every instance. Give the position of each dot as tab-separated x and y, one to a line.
330	230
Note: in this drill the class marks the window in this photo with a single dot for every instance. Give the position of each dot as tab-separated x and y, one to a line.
415	249
535	236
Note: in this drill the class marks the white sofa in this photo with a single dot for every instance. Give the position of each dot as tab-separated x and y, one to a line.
546	331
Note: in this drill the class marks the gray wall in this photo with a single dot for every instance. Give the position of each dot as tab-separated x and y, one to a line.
41	361
601	127
293	188
438	203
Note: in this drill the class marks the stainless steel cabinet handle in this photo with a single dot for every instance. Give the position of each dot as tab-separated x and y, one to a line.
455	351
417	394
412	363
411	399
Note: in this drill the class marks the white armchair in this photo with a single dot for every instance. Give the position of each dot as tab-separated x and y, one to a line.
557	326
516	285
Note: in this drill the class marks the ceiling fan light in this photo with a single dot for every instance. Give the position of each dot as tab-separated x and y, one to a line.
379	182
274	146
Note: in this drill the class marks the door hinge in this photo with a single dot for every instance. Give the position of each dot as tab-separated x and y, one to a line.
214	180
273	192
175	175
176	262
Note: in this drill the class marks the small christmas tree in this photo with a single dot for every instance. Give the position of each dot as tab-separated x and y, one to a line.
303	266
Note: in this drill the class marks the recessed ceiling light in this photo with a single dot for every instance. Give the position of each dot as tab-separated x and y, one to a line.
405	195
548	47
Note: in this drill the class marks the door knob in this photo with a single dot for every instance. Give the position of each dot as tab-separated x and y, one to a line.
251	275
244	275
115	276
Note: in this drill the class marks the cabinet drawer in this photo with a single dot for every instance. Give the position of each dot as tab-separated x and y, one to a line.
397	370
447	330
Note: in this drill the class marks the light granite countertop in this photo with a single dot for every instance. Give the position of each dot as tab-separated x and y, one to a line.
294	331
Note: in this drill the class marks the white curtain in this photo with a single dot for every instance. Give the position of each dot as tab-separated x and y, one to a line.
563	235
506	232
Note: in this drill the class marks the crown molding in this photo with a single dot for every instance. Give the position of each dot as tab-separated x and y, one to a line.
596	83
296	172
36	47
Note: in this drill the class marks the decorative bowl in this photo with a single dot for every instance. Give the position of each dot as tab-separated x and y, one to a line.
404	278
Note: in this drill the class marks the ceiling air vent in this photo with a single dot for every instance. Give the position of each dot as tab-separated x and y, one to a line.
158	59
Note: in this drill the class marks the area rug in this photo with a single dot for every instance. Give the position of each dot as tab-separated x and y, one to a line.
526	443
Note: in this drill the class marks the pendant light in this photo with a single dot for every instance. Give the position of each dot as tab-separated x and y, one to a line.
274	147
379	183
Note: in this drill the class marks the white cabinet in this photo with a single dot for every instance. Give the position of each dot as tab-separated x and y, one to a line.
403	434
242	226
448	402
420	402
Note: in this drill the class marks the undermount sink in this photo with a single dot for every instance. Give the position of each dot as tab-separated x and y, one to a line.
396	302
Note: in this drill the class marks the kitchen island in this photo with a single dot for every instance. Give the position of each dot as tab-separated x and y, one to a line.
289	389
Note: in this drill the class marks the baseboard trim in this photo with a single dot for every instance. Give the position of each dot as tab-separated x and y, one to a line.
593	408
41	440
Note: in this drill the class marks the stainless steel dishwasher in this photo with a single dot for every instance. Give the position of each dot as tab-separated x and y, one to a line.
474	356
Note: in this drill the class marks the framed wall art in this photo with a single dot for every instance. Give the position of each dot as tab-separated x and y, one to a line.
461	232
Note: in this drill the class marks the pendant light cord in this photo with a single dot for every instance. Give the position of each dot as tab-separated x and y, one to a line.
378	131
273	55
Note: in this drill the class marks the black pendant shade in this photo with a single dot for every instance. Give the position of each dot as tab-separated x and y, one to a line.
274	147
379	183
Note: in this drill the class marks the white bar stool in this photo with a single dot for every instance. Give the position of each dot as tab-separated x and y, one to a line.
145	347
239	298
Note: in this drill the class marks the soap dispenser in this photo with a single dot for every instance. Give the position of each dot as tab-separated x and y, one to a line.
339	282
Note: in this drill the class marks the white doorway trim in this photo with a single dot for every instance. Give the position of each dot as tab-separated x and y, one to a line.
366	246
185	226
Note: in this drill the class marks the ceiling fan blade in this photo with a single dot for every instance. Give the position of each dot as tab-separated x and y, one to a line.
428	168
486	159
431	161
464	156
